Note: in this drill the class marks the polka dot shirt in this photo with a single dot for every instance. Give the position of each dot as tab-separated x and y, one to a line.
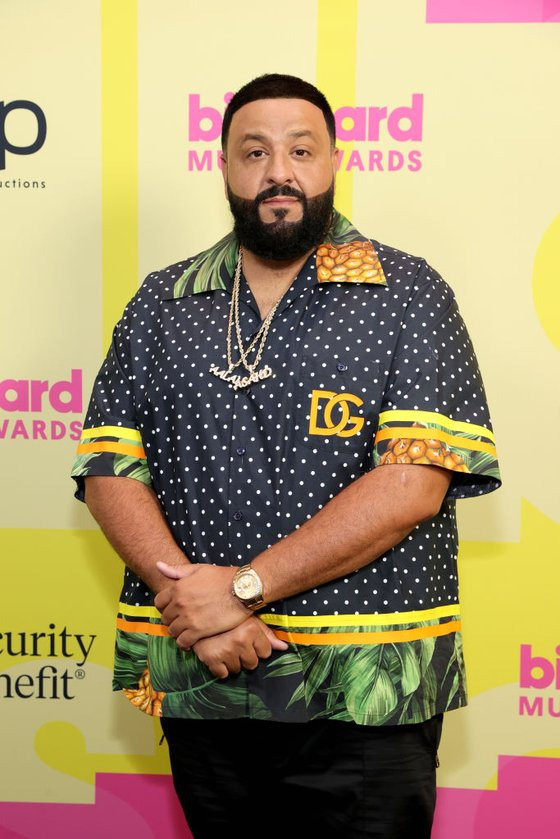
363	375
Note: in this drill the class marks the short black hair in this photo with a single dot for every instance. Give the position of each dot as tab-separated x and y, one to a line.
278	86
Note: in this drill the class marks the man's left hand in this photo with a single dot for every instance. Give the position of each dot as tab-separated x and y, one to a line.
198	602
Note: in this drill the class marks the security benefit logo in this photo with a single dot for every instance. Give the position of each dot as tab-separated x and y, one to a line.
332	414
36	665
539	679
23	131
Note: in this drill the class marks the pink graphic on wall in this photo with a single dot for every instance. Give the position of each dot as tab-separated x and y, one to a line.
142	806
145	807
524	805
493	11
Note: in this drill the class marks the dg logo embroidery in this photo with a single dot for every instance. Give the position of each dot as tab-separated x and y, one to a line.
345	425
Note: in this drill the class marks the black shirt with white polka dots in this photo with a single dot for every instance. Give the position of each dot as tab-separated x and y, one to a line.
371	365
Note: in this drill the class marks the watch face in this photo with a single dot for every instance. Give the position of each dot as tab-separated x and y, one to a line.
247	586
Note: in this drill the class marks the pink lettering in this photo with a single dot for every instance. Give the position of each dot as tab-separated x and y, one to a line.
58	430
357	131
376	160
375	118
414	161
38	388
3	429
73	389
19	430
204	161
198	115
414	116
530	709
529	663
75	430
396	160
359	123
355	161
20	388
28	394
552	711
39	432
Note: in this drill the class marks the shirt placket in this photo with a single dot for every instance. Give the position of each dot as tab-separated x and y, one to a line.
241	511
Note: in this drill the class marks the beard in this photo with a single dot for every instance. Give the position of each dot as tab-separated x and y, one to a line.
279	239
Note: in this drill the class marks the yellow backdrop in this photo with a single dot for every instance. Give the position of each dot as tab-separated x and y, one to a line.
109	125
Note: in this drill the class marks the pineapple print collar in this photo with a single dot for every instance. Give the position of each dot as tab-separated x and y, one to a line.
346	256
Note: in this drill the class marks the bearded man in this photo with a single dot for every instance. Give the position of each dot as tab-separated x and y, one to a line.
274	446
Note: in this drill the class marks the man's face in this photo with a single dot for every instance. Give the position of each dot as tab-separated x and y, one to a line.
279	170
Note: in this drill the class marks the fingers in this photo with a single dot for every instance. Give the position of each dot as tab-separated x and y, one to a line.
266	641
221	663
162	599
275	642
240	648
250	659
262	646
186	639
218	668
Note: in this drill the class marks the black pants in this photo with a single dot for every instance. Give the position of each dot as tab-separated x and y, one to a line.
321	779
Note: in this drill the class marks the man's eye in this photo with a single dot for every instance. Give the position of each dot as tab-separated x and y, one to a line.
301	152
256	153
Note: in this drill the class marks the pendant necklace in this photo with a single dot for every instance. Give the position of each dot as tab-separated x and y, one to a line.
257	343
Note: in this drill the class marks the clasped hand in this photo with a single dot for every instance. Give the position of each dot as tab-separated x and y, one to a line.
201	613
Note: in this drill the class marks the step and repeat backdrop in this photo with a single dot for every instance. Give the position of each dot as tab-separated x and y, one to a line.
110	116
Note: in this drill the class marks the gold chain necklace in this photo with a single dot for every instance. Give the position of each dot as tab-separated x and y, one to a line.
258	341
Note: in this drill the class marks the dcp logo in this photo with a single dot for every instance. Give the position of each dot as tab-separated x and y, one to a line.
345	424
5	144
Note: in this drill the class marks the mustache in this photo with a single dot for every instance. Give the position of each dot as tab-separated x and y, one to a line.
274	191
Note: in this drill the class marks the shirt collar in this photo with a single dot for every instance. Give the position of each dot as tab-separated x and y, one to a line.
345	256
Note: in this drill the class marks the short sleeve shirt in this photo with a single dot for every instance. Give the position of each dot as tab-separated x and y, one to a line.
371	365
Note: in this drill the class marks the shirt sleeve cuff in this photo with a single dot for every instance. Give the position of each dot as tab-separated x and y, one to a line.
112	451
432	439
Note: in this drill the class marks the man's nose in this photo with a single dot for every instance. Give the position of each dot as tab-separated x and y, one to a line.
280	168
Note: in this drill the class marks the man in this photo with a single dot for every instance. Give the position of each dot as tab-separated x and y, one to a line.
274	446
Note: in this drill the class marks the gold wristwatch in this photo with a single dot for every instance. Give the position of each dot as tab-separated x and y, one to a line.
248	588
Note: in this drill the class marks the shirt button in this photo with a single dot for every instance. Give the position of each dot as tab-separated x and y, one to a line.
238	515
341	367
241	450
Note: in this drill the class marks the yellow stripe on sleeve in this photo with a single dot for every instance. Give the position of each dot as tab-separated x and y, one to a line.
139	611
440	419
112	431
390	619
411	433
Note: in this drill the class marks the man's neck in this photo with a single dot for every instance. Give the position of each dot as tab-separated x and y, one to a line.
269	279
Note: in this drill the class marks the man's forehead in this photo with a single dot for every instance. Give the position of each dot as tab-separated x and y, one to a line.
290	116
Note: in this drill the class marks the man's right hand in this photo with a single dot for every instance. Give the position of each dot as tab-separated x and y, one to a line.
238	648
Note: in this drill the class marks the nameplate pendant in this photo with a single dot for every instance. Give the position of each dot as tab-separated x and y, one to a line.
237	381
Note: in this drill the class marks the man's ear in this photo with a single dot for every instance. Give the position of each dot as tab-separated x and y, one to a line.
335	159
224	171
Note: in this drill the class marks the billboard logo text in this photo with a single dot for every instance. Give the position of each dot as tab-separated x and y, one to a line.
20	398
539	673
37	394
380	125
402	124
